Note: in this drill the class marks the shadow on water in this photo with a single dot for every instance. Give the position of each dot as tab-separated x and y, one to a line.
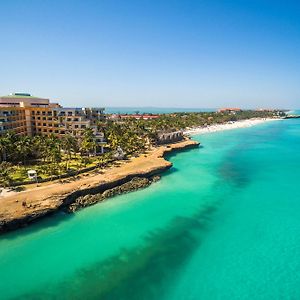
50	221
144	272
237	168
233	172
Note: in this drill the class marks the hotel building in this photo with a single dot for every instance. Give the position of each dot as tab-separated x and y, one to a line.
28	115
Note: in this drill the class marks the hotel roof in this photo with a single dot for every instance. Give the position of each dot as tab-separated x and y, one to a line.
20	95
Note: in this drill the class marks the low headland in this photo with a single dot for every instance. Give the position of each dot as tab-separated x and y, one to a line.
21	208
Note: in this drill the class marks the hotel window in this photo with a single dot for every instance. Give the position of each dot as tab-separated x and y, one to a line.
44	124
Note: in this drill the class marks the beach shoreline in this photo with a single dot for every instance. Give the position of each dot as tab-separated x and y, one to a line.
228	126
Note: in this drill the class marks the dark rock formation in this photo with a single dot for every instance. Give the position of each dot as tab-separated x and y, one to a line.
134	184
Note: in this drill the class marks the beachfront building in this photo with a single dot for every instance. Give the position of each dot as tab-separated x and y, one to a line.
28	115
232	110
164	137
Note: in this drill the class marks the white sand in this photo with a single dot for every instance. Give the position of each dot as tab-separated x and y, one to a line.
227	126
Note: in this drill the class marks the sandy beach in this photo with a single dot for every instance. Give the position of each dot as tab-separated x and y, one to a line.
227	126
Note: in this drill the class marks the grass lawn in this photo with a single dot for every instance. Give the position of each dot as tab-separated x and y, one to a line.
47	170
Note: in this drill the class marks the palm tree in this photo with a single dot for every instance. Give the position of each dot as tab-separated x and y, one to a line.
69	145
53	153
4	147
39	146
87	144
7	149
23	147
5	169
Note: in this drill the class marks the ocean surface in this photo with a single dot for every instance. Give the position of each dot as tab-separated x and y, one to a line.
294	112
154	110
223	223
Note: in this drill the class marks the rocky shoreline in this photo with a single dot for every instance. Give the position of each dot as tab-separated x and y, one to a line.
39	202
134	184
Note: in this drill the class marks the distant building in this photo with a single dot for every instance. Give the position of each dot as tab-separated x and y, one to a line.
265	109
233	110
28	115
133	116
169	137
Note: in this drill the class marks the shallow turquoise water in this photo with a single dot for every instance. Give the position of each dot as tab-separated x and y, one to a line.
223	223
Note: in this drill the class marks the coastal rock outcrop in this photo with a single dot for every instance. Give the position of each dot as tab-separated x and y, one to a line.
22	208
134	184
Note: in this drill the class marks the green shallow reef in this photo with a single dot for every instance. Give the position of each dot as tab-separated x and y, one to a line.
223	223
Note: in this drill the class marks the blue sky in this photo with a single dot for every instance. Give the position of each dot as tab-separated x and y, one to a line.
152	53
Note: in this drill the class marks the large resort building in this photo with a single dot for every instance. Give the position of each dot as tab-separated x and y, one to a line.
28	115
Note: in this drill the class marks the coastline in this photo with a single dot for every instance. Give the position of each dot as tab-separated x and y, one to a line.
228	126
21	208
89	188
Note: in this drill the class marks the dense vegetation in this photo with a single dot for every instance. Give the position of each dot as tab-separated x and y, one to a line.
183	120
52	156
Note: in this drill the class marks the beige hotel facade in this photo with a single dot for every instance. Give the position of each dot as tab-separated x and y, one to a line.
28	115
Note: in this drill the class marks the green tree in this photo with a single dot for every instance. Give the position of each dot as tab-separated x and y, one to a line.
24	147
87	144
4	148
5	173
69	146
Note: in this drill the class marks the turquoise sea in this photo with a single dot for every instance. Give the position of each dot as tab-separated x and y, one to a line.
223	223
294	112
